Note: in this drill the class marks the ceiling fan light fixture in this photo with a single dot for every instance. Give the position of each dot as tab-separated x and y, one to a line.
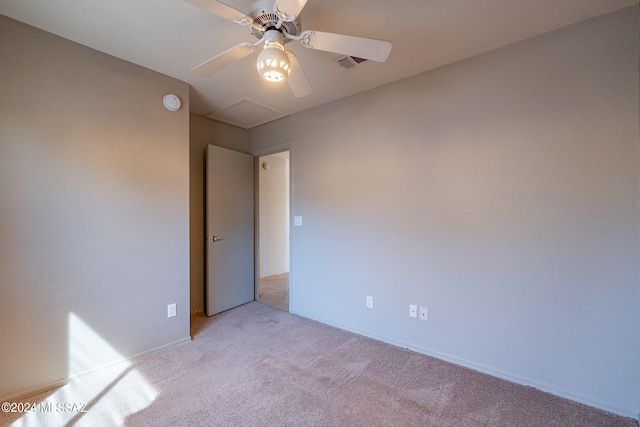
273	63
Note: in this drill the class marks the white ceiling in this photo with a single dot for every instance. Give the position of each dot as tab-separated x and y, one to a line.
171	37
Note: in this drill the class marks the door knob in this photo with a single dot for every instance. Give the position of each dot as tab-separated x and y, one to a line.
215	238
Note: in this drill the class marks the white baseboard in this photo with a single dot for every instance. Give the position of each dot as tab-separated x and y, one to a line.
547	388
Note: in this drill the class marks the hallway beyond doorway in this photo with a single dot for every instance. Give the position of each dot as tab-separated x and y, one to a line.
274	291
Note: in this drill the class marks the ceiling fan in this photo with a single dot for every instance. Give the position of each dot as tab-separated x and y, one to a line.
275	24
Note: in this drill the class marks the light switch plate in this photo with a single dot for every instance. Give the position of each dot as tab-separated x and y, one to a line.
171	310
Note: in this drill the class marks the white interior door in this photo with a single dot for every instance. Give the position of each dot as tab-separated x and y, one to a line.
230	235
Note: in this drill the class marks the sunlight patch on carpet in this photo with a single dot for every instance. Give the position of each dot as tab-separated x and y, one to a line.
105	395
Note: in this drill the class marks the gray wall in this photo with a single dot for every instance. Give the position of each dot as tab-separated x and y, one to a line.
502	193
202	132
94	207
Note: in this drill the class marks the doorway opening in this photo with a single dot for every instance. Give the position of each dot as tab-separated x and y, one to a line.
273	230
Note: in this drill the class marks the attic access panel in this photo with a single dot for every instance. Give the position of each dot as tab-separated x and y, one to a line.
246	114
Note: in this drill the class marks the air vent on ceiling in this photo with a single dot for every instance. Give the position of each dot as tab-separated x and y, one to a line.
349	62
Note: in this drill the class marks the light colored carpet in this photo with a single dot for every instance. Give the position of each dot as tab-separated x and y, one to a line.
256	365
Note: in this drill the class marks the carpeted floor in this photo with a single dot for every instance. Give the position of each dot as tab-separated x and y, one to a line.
256	365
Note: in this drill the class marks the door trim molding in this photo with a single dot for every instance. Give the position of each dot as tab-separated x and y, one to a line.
275	149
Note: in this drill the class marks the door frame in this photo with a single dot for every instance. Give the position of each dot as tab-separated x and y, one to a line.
287	146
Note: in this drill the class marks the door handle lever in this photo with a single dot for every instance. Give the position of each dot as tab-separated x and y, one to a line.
215	238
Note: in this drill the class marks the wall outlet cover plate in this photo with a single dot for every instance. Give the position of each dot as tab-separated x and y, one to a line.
413	311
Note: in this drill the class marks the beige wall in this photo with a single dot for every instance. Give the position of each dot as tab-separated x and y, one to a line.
203	132
502	193
274	214
94	208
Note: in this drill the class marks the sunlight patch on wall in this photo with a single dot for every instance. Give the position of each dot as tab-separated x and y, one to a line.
87	349
104	387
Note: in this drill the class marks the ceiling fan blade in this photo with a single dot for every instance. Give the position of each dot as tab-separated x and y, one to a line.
297	78
372	49
220	61
288	10
220	9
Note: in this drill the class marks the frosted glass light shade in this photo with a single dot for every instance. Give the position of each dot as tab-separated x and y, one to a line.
273	64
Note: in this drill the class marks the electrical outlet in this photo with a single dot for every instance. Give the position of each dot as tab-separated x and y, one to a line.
369	302
424	313
171	310
413	311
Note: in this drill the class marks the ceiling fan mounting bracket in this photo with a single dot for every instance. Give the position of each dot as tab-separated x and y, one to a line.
265	19
305	39
282	15
244	21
